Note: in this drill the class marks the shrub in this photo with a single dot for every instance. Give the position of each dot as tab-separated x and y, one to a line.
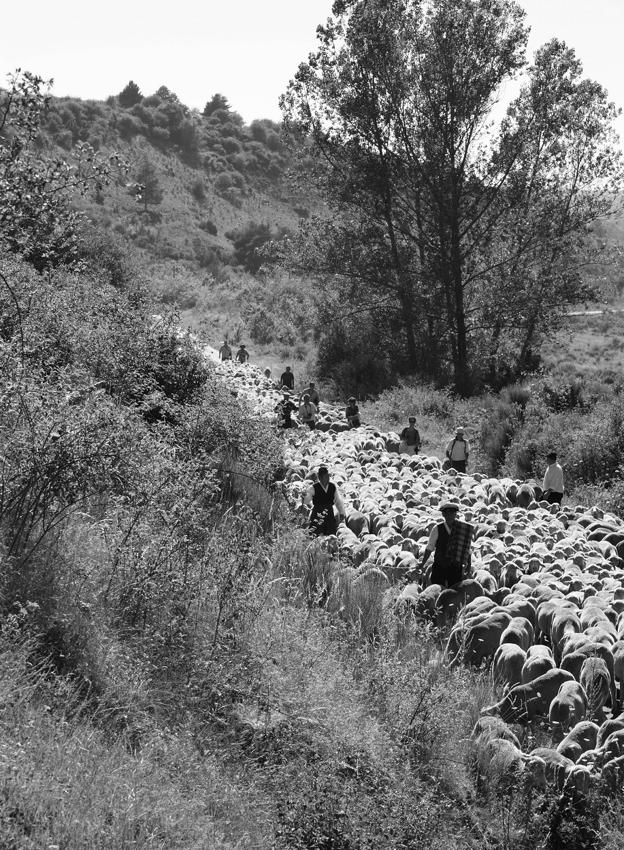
198	190
208	226
223	182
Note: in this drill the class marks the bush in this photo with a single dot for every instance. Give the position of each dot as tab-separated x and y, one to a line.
208	226
198	190
223	182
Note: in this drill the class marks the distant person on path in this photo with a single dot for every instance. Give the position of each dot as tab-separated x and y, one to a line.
308	412
410	438
312	392
267	374
225	352
242	355
352	412
553	481
449	542
288	379
457	451
322	496
285	409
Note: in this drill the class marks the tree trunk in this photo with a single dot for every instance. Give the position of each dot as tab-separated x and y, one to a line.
407	307
461	369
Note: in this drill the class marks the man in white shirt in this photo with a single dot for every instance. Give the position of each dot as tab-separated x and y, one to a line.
457	451
553	480
307	413
322	496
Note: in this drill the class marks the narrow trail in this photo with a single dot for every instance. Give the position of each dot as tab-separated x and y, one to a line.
542	572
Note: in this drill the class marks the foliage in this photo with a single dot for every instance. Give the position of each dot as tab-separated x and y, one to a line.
248	243
474	239
217	101
359	363
37	219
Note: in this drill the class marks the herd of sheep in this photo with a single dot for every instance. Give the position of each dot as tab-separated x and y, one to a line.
544	605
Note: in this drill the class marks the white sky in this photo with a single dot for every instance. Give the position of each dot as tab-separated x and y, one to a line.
245	49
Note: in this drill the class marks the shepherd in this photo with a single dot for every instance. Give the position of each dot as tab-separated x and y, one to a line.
323	496
449	542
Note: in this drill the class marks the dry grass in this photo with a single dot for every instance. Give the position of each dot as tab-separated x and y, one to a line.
66	784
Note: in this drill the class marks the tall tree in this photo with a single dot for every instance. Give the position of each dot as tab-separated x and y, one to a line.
435	209
147	188
130	95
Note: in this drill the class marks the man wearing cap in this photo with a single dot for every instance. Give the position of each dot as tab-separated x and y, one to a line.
410	438
457	451
352	412
451	552
323	496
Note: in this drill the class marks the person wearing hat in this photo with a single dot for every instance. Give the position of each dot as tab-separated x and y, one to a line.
457	451
323	496
285	409
447	569
242	355
410	438
352	412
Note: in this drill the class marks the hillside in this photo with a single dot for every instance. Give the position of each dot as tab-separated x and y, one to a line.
214	189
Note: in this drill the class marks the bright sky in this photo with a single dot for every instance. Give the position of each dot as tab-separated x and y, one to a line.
245	49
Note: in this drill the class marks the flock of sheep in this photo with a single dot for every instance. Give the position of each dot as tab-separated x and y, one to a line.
544	605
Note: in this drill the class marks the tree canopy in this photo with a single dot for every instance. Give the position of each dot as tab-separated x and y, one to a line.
461	226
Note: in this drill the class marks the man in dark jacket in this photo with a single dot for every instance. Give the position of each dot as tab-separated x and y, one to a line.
451	552
288	379
352	413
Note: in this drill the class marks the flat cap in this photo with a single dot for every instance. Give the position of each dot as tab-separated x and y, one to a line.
449	506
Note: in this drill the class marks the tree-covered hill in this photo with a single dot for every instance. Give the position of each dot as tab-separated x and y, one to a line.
194	180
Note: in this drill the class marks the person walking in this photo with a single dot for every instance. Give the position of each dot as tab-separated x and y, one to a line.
225	352
287	379
322	497
308	412
242	355
312	392
449	543
552	487
285	409
352	412
457	451
410	438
